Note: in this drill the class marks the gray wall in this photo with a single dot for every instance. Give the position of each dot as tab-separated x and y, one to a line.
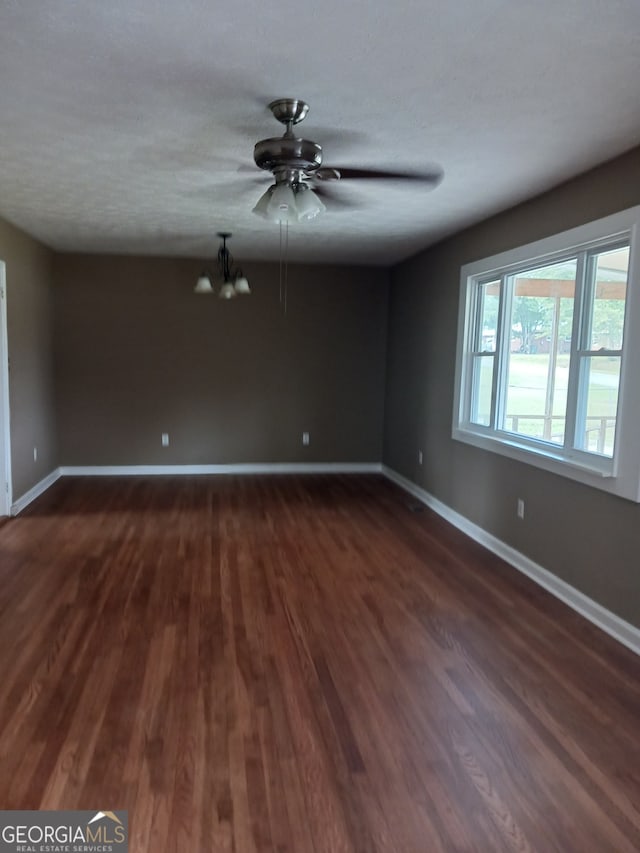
586	537
29	315
138	354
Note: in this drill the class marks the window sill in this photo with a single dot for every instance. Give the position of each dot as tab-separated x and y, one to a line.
593	475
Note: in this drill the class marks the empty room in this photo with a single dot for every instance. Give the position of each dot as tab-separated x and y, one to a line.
319	446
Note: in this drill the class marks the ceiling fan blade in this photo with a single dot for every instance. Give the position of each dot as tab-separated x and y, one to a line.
210	189
335	200
324	174
431	177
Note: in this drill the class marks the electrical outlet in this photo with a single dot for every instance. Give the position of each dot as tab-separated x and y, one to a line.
165	439
419	457
305	438
520	509
35	454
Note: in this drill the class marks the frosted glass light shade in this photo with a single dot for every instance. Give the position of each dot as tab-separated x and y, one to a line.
308	205
242	286
203	285
282	204
227	291
263	202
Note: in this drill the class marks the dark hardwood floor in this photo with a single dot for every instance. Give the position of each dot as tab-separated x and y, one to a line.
302	664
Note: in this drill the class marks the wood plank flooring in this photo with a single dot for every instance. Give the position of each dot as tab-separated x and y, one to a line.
302	665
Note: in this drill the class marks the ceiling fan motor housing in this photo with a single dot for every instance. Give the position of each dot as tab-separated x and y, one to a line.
287	152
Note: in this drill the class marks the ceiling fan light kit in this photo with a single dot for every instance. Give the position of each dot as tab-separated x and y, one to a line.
289	203
234	283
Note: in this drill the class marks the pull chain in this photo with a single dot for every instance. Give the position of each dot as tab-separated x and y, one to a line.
280	268
284	263
286	266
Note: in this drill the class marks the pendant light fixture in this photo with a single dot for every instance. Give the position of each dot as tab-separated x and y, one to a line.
234	283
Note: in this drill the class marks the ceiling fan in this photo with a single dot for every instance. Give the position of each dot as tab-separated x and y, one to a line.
300	178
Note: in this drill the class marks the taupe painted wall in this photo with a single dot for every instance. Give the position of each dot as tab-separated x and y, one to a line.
586	537
138	354
29	315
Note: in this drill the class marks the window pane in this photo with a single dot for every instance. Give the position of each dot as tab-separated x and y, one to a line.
541	326
482	384
607	318
601	380
489	298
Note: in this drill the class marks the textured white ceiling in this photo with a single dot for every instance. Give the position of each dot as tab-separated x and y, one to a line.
123	124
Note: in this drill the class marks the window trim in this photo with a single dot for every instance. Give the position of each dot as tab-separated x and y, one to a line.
619	475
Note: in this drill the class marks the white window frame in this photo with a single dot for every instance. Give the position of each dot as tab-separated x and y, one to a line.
619	475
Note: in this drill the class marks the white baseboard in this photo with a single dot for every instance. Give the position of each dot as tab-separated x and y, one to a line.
618	628
183	470
239	468
35	491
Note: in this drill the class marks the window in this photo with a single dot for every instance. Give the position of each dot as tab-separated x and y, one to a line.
547	350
